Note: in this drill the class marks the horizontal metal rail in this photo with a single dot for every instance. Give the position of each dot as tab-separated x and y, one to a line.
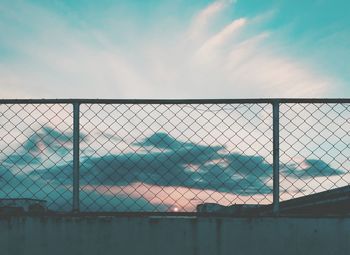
178	101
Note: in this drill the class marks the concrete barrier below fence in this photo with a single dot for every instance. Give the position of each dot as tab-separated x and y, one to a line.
173	235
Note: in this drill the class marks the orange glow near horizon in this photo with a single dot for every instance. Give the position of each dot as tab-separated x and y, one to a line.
178	198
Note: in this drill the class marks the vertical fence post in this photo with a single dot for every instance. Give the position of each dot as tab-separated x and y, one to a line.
276	163
76	163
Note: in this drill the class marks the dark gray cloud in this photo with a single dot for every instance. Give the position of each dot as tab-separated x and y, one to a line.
22	159
170	168
161	140
48	139
174	163
241	174
5	174
315	168
39	145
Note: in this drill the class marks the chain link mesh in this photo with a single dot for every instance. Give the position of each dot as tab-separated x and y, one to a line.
171	157
36	153
314	148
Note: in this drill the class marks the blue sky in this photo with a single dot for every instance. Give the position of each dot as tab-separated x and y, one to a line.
174	49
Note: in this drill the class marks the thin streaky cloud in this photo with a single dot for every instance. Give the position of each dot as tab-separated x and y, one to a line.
239	57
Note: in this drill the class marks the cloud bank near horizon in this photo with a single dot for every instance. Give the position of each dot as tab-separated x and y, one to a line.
109	182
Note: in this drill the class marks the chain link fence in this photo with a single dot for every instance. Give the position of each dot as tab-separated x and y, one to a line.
314	148
171	155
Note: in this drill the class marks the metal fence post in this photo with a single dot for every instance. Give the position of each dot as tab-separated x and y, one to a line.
276	163
76	163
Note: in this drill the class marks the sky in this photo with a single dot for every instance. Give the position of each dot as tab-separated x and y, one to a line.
174	49
160	157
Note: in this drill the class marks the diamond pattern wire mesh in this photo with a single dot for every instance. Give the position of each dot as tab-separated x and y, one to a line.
172	157
36	153
314	148
161	157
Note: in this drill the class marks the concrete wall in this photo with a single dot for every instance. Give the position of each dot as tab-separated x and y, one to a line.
177	235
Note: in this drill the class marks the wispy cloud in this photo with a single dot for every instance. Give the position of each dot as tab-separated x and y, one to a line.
201	22
221	37
203	57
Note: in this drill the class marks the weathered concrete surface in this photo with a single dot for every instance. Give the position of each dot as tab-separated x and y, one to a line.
174	235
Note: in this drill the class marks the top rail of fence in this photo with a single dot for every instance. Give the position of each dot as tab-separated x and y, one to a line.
176	101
